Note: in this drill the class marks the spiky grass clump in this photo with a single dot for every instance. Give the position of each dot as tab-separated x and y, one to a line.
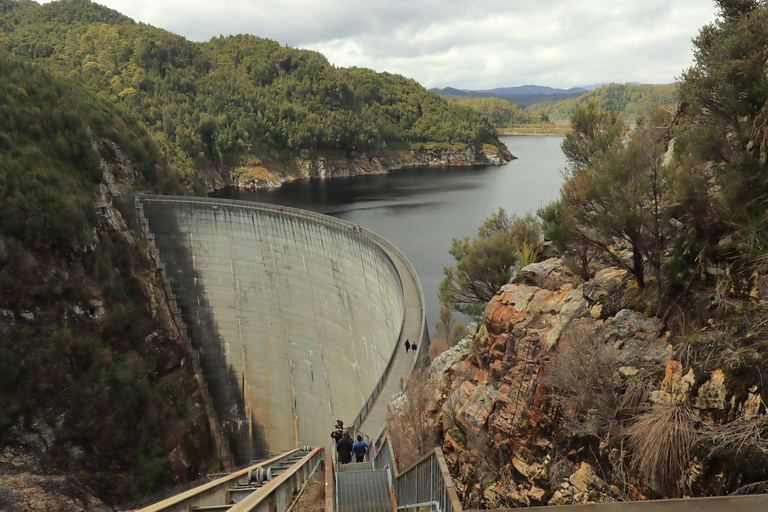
661	441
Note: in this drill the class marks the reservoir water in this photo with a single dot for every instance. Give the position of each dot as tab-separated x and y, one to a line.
421	210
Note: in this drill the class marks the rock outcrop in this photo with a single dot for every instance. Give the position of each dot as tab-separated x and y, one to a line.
261	177
503	421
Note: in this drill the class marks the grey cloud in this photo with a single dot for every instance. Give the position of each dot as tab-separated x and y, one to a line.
462	43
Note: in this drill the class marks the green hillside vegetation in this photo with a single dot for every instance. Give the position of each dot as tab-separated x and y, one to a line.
628	101
503	113
516	110
232	100
519	99
111	370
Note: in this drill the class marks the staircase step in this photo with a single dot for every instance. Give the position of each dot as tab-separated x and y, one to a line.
364	491
355	466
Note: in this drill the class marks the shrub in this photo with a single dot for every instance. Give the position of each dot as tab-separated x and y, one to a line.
579	374
411	433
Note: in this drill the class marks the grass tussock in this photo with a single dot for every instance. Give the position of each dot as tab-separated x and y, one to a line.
661	440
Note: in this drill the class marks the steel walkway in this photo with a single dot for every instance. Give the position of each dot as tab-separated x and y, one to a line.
404	362
360	488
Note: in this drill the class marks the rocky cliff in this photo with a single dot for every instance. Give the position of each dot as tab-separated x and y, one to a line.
267	176
544	403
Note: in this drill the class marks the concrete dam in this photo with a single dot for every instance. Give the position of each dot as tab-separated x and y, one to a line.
293	319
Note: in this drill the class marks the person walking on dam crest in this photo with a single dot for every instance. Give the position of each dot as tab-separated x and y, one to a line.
407	345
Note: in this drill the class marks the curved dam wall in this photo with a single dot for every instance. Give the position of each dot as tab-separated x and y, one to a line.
294	315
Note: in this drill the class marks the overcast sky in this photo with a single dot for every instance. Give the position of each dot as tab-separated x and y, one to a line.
472	44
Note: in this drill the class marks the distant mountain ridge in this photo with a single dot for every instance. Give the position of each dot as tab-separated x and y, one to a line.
544	90
535	89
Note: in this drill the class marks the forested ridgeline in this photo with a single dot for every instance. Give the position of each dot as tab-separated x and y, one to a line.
626	100
92	379
234	100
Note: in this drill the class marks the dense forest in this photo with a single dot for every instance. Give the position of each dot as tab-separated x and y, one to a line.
239	99
76	336
521	99
628	101
503	113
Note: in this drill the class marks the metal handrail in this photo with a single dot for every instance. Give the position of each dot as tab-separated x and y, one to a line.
426	481
249	503
226	482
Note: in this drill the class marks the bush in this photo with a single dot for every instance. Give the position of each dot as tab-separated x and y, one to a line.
579	374
487	262
412	434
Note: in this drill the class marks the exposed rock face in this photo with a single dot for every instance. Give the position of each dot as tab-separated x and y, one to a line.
503	437
32	492
25	484
259	177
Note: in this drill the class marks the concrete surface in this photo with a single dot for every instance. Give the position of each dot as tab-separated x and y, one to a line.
294	315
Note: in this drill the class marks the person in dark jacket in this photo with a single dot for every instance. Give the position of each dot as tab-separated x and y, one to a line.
344	448
337	431
407	345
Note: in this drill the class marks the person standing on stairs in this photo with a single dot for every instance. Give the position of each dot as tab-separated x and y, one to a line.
344	448
360	448
337	430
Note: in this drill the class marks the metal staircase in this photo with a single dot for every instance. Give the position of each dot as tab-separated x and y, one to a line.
361	488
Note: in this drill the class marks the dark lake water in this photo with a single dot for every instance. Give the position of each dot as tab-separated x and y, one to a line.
421	210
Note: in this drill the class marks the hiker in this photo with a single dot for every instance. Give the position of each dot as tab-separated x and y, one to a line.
360	448
337	431
413	347
344	448
407	346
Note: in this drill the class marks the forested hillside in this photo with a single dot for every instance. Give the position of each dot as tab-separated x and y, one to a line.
232	100
505	110
628	101
88	361
503	113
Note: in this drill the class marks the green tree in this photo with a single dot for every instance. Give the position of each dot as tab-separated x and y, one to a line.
722	142
487	262
593	133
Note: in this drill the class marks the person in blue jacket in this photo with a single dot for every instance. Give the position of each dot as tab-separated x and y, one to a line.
360	448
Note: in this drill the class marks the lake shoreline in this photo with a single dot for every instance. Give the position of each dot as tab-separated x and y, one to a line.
422	209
